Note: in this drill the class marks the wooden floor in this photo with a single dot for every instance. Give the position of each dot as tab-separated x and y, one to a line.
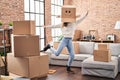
61	74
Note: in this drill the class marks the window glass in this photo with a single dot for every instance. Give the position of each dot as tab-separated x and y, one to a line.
41	44
42	32
37	30
42	20
34	10
37	20
27	17
41	7
32	16
37	8
26	5
56	10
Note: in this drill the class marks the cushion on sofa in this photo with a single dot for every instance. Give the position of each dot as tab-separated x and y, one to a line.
90	63
115	48
86	47
61	56
78	57
81	57
119	63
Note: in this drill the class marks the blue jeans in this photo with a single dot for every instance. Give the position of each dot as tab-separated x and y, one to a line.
66	42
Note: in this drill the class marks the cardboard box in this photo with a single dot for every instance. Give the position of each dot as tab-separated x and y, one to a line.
44	64
103	46
77	35
102	55
29	67
25	45
1	62
76	47
68	13
24	28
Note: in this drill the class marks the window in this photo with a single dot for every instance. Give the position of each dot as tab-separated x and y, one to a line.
56	10
34	10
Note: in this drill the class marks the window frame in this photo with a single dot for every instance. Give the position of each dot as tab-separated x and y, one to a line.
56	32
37	17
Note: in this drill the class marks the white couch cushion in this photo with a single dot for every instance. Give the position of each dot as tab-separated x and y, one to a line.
115	48
86	47
82	57
78	57
90	63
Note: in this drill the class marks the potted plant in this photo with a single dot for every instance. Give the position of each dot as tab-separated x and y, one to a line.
1	53
10	25
1	24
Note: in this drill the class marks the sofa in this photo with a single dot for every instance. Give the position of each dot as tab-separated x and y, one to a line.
86	51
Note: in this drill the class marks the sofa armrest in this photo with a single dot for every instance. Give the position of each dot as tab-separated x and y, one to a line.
119	63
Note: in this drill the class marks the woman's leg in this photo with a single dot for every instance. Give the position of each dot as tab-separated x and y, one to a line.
71	52
60	47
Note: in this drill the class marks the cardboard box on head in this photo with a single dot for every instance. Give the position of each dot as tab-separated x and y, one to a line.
68	13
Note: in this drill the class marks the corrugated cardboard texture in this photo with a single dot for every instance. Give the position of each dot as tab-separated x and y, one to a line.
30	67
76	47
103	46
77	35
102	55
44	65
1	62
68	14
25	45
24	28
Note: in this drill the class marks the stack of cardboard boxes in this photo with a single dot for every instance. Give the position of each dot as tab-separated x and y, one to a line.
26	59
103	53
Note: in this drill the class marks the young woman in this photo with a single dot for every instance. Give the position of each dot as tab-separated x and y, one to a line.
68	29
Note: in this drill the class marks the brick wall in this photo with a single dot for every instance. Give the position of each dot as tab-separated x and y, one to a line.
48	20
102	17
11	10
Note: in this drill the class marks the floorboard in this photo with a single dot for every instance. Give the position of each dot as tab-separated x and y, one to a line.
61	74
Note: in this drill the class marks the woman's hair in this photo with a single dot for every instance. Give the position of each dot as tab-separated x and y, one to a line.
65	24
